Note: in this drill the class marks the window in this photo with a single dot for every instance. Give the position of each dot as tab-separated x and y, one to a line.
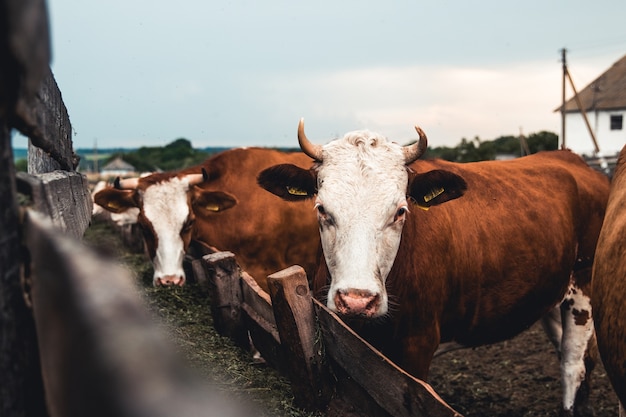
616	122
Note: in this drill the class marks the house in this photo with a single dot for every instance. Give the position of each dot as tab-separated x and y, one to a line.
604	101
117	167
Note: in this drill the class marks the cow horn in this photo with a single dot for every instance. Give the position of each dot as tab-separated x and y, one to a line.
414	151
195	179
312	150
127	183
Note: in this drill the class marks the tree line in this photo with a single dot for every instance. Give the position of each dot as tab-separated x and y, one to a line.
478	150
180	153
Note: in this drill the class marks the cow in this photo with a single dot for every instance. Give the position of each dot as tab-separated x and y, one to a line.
120	219
608	296
422	252
215	203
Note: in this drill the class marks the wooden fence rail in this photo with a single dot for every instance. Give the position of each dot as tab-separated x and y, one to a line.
331	368
75	338
101	353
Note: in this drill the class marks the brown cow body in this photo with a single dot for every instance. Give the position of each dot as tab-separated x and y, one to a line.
264	241
609	283
223	211
475	270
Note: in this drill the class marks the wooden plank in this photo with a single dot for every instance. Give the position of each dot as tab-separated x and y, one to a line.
293	309
62	196
260	322
21	388
259	305
45	121
226	296
101	353
393	389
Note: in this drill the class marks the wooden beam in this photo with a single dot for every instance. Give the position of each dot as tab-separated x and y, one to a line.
295	319
21	389
101	352
226	297
61	196
390	387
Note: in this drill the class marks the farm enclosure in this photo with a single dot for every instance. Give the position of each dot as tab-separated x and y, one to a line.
38	111
519	377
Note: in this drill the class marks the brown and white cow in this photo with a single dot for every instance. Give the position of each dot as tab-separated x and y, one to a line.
222	209
512	241
609	283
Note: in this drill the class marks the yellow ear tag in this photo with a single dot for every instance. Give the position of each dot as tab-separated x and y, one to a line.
423	207
433	194
296	191
113	205
212	207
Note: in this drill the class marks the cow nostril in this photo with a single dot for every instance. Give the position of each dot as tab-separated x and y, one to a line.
169	280
354	302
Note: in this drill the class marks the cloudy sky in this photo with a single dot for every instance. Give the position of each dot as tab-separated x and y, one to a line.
238	73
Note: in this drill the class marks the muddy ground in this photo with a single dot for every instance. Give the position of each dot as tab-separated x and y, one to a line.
519	377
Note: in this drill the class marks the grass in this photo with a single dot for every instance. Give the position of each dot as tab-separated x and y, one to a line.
184	314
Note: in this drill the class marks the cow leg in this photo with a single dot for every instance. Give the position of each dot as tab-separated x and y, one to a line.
553	327
577	333
418	351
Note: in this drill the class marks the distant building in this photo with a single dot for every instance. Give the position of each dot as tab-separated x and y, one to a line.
604	101
117	167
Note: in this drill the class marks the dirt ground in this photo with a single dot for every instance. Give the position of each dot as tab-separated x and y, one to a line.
519	377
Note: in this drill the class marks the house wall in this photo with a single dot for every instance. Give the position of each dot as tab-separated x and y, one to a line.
577	136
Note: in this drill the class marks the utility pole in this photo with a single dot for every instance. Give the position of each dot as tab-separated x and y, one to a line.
566	75
524	149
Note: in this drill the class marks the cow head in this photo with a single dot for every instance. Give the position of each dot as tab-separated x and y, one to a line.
363	196
167	205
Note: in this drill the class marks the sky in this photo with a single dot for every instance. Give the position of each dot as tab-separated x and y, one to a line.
242	73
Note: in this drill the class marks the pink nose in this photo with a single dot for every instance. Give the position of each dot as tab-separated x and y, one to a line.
170	280
353	302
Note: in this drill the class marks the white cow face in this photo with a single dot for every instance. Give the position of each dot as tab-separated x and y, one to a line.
164	202
166	211
361	185
361	207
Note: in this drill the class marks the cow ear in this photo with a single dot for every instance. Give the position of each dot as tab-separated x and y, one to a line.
288	182
209	202
114	200
436	187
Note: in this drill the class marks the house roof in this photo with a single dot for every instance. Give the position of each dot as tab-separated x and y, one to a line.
118	164
607	92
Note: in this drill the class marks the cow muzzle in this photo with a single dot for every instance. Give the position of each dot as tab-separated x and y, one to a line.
169	280
354	302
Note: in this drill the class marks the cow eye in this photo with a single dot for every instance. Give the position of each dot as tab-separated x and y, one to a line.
401	213
324	217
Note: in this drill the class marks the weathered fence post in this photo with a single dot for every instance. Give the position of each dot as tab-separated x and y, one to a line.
21	390
300	339
101	353
24	58
226	296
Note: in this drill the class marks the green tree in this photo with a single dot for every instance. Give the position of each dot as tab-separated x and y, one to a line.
176	155
543	141
21	165
480	150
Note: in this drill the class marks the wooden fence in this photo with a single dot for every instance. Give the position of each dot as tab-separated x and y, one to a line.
76	339
330	367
